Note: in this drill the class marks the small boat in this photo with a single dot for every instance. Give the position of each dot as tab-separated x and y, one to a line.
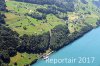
45	57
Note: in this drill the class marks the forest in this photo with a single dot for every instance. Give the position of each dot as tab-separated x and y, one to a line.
61	21
11	42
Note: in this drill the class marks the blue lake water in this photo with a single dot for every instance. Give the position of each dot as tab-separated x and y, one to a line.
87	47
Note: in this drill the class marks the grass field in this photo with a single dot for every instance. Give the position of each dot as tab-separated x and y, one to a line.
17	21
34	26
22	58
92	19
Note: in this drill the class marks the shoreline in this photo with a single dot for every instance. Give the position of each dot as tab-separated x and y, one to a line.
27	48
64	45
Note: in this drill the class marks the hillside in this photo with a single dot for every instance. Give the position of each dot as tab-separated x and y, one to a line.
39	14
32	28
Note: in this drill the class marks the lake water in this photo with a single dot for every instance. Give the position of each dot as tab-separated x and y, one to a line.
87	47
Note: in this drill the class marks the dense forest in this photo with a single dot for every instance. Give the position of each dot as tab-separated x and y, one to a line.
11	43
60	6
2	8
2	18
2	5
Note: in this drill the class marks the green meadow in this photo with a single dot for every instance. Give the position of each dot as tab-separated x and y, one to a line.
19	21
23	24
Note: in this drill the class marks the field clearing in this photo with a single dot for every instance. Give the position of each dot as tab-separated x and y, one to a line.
22	58
32	25
28	25
92	19
72	16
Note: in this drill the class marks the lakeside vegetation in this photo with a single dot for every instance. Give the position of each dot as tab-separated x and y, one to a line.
34	27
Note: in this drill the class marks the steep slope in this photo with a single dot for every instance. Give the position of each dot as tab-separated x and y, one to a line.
41	13
36	27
